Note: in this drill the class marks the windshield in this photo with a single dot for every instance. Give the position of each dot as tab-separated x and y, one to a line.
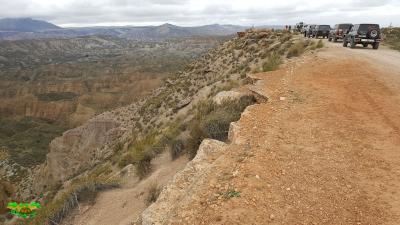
368	27
344	26
324	27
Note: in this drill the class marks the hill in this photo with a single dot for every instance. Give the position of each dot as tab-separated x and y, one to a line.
188	107
25	25
19	29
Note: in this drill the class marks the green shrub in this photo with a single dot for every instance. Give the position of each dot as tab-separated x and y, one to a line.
27	140
213	121
273	62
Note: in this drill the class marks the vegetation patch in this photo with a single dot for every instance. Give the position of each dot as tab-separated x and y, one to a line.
213	121
27	140
176	149
83	190
297	49
273	62
391	37
231	194
154	192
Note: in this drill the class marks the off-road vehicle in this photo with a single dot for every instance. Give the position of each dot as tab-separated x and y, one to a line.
364	34
321	31
339	31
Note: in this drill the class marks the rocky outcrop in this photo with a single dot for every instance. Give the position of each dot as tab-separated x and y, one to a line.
79	149
184	185
226	96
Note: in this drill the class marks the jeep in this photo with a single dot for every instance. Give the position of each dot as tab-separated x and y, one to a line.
339	31
321	31
364	34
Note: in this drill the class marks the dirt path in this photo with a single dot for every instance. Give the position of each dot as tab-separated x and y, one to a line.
325	149
122	206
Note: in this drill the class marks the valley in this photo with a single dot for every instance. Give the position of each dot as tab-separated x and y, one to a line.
51	85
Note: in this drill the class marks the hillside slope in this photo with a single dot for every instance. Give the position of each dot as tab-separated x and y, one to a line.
322	150
177	115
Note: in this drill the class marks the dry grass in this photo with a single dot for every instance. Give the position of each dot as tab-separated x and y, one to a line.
392	37
154	192
273	62
213	121
297	49
85	189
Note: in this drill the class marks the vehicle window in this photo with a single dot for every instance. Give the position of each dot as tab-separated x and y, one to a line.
368	27
344	26
324	27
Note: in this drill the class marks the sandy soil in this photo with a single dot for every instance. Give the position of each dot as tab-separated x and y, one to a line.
122	206
325	149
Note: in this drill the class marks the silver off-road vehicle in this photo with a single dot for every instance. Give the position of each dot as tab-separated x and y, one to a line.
365	34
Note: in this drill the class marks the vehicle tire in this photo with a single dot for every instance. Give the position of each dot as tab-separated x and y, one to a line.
365	45
375	45
352	43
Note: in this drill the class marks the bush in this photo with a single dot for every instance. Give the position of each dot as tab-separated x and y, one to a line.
320	44
213	121
154	192
391	36
176	149
297	49
143	165
273	62
126	159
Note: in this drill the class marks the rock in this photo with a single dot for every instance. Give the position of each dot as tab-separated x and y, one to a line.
77	149
226	96
189	180
183	103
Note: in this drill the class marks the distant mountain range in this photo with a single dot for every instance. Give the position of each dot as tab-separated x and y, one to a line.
25	25
26	28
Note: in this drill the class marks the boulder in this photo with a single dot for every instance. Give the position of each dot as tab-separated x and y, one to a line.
226	96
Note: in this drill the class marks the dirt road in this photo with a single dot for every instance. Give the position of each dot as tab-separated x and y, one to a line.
325	148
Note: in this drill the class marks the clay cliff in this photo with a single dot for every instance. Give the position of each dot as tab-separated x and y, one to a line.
109	132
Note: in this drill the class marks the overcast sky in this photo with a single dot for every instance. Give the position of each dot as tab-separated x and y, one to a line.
68	13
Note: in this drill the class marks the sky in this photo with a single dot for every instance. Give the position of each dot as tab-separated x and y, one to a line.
79	13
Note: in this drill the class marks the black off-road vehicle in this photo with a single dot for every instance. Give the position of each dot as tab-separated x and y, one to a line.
364	34
321	31
339	31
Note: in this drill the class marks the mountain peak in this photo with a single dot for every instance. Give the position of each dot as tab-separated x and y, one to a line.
25	24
